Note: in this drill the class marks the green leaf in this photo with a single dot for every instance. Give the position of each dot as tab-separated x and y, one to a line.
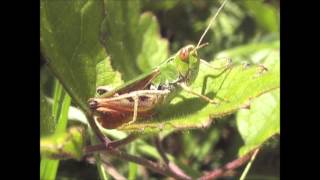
69	38
47	123
160	5
154	48
63	145
148	150
58	122
265	14
235	88
133	167
48	168
261	122
105	74
120	37
132	41
63	115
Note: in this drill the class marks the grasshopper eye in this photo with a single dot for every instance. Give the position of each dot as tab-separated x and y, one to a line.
184	54
101	91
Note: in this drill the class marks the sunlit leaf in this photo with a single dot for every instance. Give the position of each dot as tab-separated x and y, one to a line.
235	89
261	122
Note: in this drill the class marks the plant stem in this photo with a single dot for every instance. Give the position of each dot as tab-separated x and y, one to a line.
112	170
121	142
157	167
245	172
145	162
161	150
169	168
170	165
96	129
228	167
111	144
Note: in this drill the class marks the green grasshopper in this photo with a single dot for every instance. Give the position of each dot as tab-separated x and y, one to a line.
140	96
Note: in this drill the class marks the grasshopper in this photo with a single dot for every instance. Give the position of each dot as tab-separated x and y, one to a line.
119	109
136	98
140	96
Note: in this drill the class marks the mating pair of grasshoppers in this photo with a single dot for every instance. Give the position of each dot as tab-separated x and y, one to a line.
140	97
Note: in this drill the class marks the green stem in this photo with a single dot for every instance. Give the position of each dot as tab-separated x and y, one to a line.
63	118
246	170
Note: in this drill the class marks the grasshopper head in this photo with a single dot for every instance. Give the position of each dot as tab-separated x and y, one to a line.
187	63
187	51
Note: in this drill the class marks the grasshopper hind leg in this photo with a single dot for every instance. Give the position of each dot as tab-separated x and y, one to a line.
186	88
226	64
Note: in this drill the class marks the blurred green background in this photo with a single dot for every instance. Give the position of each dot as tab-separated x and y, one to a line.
244	31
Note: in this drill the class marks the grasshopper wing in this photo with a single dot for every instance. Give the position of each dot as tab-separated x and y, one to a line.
139	83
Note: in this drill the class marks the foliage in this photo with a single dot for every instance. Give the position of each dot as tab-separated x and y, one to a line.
54	120
91	43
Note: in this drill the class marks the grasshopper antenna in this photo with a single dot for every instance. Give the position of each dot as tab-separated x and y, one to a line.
199	47
211	21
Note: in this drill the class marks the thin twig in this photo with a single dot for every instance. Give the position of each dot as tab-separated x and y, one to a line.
95	148
160	150
170	165
169	169
122	142
228	167
112	170
159	168
176	170
112	144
